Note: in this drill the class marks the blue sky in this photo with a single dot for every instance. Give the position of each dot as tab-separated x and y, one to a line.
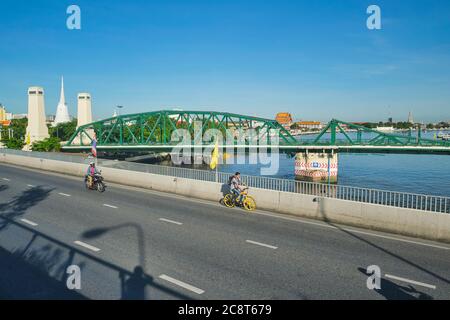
315	59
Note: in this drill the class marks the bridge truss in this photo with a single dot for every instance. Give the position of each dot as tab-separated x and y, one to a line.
153	131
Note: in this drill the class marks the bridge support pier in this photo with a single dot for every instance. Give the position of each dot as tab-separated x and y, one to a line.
84	113
317	167
37	129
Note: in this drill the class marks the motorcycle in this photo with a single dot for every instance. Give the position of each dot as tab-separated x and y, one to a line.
98	183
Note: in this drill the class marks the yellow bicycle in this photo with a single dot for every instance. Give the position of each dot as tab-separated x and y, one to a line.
231	200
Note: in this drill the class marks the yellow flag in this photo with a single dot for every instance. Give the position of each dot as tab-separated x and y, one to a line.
215	156
28	141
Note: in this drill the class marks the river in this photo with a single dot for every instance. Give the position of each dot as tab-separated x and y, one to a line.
423	174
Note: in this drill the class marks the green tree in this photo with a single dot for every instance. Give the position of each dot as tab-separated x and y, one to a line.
17	139
403	125
369	125
19	127
63	131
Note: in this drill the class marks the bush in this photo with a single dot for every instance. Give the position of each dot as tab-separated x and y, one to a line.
14	143
47	145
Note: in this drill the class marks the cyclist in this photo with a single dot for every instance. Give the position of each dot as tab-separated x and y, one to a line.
236	186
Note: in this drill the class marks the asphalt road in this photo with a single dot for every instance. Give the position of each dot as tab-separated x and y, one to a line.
134	244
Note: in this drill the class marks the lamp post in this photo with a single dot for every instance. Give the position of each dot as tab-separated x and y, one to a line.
97	232
135	287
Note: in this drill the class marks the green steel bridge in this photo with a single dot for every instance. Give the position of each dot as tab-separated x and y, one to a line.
152	131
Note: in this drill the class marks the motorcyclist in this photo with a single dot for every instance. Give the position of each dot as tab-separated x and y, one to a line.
90	174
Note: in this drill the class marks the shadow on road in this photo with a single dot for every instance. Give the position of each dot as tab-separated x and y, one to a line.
37	270
134	288
392	254
20	204
393	291
224	189
24	275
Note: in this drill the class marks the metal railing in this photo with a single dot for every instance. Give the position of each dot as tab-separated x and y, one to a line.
365	195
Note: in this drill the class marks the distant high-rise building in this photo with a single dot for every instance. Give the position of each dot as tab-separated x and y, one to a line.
50	119
2	113
5	118
19	116
62	113
410	117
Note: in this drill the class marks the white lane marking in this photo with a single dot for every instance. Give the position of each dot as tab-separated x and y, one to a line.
261	244
64	194
109	206
31	223
426	285
87	246
181	284
30	185
351	230
6	179
171	221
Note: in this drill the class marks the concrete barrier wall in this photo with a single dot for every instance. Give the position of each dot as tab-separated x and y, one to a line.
416	223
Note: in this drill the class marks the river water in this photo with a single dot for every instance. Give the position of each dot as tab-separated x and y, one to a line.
423	174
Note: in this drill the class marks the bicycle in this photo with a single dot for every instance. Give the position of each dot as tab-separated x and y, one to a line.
231	200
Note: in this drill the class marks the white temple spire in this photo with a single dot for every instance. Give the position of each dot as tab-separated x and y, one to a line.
62	113
62	99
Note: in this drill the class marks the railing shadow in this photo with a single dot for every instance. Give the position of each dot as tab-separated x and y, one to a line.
20	204
392	291
325	218
24	275
47	267
38	271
